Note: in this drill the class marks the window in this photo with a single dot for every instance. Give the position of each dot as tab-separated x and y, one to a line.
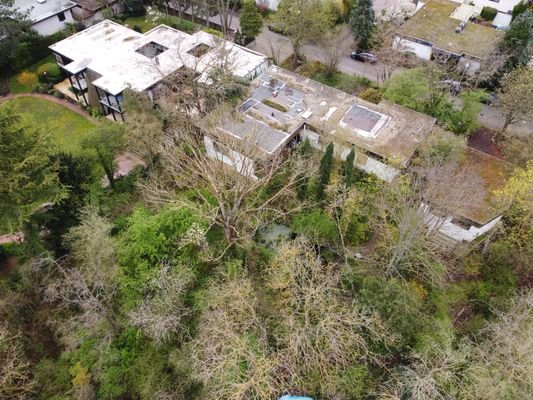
61	16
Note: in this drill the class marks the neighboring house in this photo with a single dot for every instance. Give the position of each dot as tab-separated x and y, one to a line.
47	16
285	108
105	59
270	4
89	12
487	173
433	32
503	6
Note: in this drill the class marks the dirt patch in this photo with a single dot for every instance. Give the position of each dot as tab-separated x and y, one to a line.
481	139
7	265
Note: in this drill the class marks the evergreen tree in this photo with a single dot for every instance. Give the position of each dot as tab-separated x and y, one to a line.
348	169
303	180
326	165
362	23
519	38
251	21
28	178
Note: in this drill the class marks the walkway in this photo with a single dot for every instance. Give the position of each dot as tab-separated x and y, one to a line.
65	103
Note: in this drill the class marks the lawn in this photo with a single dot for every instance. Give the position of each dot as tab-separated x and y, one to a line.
155	18
15	87
67	128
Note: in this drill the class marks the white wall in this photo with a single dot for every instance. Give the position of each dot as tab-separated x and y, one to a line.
366	163
421	50
456	232
242	164
503	5
52	24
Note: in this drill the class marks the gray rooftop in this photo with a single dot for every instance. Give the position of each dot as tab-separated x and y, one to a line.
39	11
283	102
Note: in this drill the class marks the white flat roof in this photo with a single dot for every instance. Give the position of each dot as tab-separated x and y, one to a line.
39	11
110	49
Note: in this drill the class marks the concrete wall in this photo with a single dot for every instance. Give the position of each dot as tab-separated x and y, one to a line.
363	161
94	100
51	25
454	231
242	164
503	5
421	50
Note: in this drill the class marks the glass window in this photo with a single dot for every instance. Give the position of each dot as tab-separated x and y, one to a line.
61	16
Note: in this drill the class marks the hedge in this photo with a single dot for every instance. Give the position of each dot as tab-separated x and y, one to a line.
488	13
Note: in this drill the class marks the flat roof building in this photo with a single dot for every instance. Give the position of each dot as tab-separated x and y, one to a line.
105	59
284	106
434	29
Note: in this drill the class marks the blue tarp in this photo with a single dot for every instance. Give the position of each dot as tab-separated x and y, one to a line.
287	397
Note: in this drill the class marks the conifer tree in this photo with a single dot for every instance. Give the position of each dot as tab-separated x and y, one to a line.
250	19
348	168
362	23
326	165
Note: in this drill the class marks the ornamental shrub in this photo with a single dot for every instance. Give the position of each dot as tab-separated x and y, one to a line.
488	13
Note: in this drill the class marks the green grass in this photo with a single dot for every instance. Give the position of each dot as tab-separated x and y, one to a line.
15	87
67	128
347	83
148	22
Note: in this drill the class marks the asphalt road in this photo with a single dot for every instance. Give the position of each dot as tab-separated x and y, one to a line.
268	41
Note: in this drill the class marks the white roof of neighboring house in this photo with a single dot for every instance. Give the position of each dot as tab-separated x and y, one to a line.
112	50
39	11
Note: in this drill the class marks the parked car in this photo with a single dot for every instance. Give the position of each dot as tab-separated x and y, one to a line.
363	56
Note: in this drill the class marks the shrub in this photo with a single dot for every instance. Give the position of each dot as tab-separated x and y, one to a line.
317	225
372	95
137	28
274	105
28	79
49	73
488	13
312	68
211	31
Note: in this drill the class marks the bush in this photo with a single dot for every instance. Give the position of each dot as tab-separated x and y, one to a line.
49	73
137	28
488	13
316	225
372	95
28	79
312	69
274	105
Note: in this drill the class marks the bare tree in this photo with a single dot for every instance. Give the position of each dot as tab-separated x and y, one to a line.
226	9
412	210
144	126
516	96
334	45
389	50
320	331
230	176
230	352
87	280
161	314
15	378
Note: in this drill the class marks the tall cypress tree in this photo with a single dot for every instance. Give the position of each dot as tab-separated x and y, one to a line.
250	18
348	168
326	164
362	23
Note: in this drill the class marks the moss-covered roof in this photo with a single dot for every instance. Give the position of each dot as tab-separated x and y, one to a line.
492	173
432	23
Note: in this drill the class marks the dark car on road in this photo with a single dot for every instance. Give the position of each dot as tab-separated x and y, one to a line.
364	56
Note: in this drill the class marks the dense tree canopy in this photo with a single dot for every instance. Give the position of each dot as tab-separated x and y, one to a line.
28	177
